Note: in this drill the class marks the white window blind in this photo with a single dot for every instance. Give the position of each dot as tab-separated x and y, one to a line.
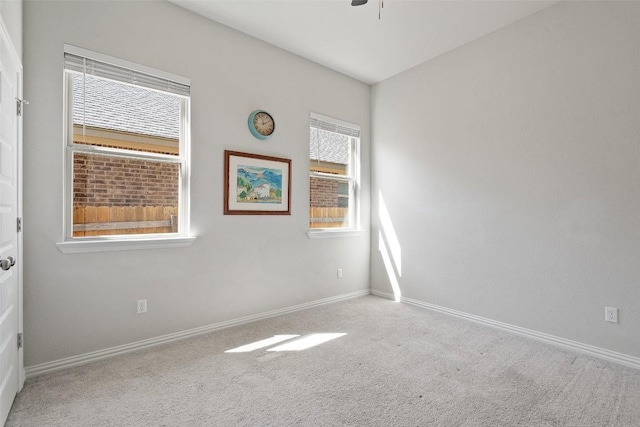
334	125
105	70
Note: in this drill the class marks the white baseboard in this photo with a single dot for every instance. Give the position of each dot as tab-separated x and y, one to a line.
612	356
69	362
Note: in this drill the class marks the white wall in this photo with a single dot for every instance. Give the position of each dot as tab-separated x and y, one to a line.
11	12
510	168
239	265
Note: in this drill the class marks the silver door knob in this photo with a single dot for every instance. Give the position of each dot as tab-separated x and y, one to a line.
7	263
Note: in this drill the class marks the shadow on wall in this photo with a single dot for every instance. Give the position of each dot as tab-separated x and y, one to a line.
389	247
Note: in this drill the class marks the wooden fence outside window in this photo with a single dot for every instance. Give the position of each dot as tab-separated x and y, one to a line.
112	220
320	217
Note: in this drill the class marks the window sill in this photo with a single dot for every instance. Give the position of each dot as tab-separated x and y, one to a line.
331	234
106	244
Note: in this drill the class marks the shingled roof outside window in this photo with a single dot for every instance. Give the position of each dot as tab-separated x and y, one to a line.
326	146
107	104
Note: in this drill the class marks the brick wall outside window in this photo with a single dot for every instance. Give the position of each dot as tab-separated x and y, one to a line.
324	193
118	181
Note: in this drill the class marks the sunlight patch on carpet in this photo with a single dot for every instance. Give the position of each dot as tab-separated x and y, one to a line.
276	339
307	341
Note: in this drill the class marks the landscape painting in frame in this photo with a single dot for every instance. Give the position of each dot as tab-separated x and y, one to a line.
256	184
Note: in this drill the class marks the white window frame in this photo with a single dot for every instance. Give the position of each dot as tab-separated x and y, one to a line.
182	238
353	179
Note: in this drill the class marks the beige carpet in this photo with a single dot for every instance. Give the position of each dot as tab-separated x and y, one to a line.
397	365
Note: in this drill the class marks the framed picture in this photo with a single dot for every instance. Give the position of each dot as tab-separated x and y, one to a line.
256	185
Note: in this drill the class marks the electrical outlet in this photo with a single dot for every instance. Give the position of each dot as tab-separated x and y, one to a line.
611	314
339	273
141	306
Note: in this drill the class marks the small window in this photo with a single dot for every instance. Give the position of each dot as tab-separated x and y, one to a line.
127	142
333	168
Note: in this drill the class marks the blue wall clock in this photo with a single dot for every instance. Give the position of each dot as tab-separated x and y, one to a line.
261	124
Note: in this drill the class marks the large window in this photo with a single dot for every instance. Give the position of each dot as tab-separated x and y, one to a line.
127	142
333	168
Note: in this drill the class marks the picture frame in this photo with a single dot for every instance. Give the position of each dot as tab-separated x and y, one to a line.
256	185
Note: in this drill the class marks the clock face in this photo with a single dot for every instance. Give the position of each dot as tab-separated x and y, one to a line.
263	123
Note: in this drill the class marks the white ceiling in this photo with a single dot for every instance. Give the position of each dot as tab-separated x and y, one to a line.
353	41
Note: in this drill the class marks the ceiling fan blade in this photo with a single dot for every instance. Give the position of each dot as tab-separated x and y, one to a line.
358	2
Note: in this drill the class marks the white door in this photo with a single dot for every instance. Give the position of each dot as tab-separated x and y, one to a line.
9	126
